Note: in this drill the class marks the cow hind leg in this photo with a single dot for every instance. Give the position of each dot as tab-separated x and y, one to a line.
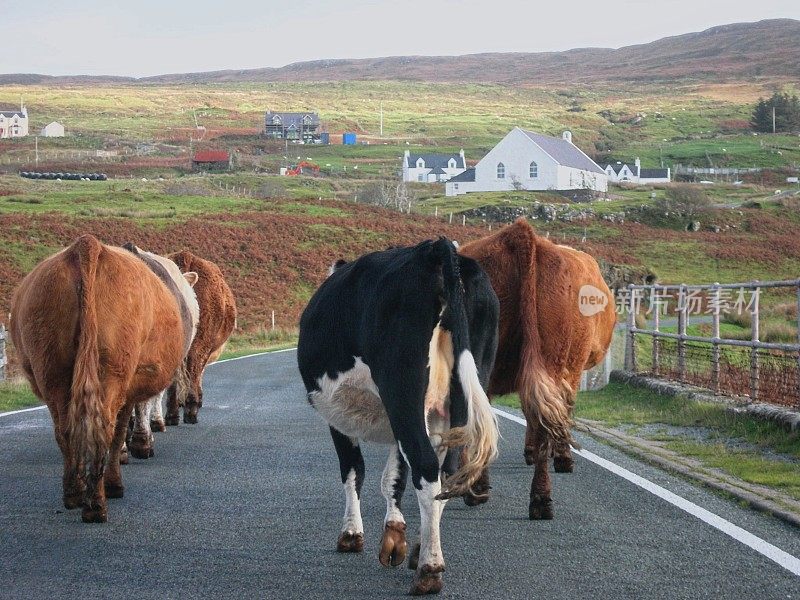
562	459
541	502
193	403
173	407
351	465
394	546
479	493
73	484
141	440
112	479
426	466
156	414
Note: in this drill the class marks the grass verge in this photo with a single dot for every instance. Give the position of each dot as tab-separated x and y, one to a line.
263	339
754	451
16	395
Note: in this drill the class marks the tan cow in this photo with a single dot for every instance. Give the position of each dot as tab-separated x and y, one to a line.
141	436
96	331
557	318
217	321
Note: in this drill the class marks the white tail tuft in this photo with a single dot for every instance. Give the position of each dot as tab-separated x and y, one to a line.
479	435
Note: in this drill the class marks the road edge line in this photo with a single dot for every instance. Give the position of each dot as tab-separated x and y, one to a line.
780	557
24	410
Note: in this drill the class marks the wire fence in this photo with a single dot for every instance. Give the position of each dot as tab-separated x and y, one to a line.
764	371
3	358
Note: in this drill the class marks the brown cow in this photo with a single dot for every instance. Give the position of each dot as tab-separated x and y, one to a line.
96	332
217	320
557	318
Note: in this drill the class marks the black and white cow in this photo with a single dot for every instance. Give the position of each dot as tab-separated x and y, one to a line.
396	348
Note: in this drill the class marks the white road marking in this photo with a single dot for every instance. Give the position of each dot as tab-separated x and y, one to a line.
224	360
24	410
775	554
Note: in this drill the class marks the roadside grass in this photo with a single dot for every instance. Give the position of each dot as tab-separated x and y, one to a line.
261	339
621	406
747	465
15	395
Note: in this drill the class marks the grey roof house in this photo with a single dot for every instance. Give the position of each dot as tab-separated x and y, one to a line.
432	167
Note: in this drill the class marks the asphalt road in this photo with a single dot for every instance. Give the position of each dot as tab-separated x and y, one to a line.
248	504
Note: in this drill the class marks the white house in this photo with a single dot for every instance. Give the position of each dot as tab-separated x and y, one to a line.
13	122
525	160
430	168
54	129
621	172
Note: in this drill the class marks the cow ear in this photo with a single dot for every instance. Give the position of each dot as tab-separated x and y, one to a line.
191	278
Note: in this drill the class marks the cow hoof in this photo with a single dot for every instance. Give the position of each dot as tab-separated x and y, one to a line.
72	500
530	455
482	497
393	544
350	542
540	508
94	514
413	560
563	464
158	425
114	490
141	446
191	419
123	456
171	420
427	580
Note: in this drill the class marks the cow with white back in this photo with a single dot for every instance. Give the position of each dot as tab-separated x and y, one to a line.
181	286
396	348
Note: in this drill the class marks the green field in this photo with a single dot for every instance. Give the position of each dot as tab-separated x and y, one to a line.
700	124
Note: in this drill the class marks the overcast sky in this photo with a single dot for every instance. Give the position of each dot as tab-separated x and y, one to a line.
150	37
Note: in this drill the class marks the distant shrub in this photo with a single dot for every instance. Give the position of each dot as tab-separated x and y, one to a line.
686	200
679	205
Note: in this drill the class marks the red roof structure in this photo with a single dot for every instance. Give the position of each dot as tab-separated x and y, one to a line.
204	156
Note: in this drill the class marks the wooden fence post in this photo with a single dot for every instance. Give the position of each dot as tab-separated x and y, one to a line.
656	339
715	386
3	360
682	314
798	340
273	320
754	362
630	339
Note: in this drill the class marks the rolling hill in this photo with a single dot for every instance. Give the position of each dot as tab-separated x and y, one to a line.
765	49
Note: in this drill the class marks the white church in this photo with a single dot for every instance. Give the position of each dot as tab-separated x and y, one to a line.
525	160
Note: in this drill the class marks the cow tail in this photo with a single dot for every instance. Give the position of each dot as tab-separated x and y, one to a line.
545	398
479	434
86	422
